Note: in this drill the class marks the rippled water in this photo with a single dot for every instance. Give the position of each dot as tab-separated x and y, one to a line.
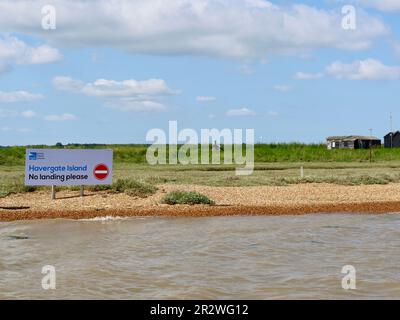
203	258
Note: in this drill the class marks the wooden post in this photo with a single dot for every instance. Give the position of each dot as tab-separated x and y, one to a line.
82	191
301	172
53	192
370	146
370	153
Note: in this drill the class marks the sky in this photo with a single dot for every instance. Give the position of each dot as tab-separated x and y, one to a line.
101	71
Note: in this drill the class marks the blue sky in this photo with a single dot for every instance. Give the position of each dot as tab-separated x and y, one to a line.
111	71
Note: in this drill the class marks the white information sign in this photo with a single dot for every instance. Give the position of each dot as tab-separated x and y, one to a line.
68	167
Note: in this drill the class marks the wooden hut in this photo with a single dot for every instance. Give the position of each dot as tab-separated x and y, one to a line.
352	142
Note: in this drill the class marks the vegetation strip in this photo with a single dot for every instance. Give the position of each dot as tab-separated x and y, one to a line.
263	153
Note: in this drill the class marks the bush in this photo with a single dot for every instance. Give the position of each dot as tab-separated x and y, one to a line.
3	193
186	197
15	186
97	188
133	188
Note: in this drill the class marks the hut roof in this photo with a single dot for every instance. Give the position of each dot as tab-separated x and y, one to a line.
351	138
393	133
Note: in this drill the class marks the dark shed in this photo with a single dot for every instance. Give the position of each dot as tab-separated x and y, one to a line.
392	140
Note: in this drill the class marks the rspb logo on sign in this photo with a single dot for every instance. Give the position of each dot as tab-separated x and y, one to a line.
36	156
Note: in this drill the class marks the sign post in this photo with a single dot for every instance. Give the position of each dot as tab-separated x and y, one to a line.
68	167
82	191
53	192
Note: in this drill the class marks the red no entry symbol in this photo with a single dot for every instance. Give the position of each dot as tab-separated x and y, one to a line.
101	172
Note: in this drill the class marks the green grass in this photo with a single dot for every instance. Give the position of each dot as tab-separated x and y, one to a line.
144	177
133	188
13	182
263	153
14	186
276	165
186	197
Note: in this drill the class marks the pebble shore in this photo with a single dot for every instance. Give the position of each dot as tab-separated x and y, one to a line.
258	200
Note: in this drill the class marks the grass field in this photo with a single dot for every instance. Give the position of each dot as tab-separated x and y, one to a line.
275	165
263	153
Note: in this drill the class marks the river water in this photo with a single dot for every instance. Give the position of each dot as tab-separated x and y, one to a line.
284	257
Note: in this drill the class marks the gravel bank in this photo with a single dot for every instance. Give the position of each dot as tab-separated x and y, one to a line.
265	200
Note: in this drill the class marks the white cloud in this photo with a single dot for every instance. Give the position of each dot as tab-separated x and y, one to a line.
12	113
242	112
385	5
61	117
282	88
244	29
273	113
126	95
9	129
18	96
112	88
28	114
126	88
246	69
308	76
67	84
368	69
136	106
205	98
14	51
40	55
